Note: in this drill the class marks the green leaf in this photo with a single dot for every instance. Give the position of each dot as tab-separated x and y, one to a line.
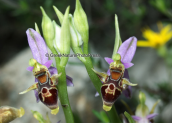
130	119
97	114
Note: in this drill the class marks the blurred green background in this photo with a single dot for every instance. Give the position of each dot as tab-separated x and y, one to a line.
16	16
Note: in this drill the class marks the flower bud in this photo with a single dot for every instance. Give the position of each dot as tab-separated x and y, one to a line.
65	38
48	29
57	43
142	110
75	36
8	114
38	116
80	21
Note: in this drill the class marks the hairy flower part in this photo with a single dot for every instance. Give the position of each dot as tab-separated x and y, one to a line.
156	39
8	114
142	114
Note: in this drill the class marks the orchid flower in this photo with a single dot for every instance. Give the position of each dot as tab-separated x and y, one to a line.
39	50
45	75
142	114
126	51
116	81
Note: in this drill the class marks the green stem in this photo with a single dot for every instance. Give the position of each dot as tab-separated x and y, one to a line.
97	84
85	48
63	95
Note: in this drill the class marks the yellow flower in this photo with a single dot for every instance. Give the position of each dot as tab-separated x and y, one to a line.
155	39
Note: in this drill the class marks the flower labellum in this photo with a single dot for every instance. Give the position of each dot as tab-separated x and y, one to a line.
8	114
46	85
113	84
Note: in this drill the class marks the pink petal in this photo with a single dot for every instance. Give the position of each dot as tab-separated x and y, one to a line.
151	116
127	49
29	68
48	63
128	65
37	46
108	60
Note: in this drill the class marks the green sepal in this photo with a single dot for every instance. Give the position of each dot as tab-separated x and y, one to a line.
118	41
59	14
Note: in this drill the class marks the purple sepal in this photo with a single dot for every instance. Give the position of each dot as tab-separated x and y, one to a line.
127	49
108	60
97	94
151	116
36	95
52	70
69	81
126	75
37	46
127	92
59	121
136	118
